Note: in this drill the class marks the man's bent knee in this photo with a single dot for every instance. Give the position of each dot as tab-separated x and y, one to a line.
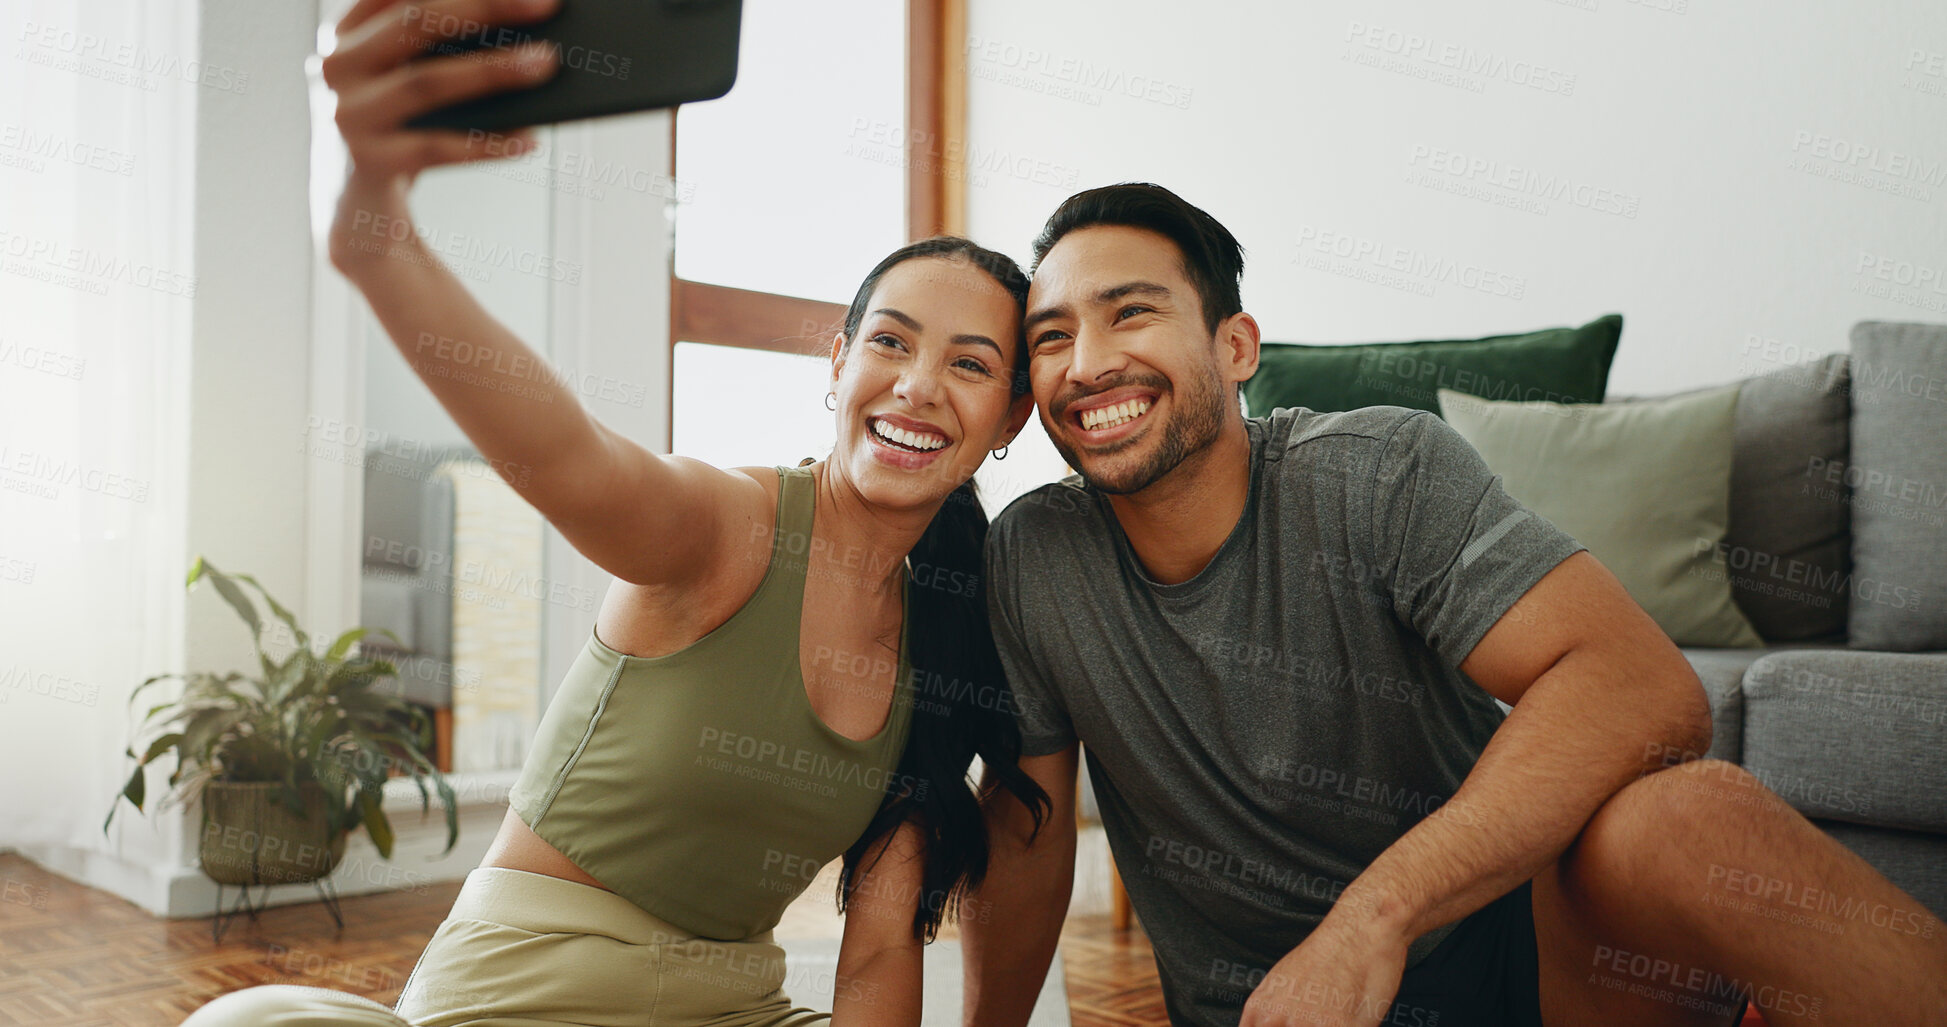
1694	799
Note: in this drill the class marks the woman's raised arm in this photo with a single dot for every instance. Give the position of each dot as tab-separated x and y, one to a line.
646	518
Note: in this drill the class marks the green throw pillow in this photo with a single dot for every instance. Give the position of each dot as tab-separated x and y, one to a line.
1562	365
1646	485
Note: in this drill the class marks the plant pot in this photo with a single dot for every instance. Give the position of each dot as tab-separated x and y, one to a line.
249	837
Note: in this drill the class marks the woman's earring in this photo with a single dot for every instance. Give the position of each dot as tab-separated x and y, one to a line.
1001	453
831	401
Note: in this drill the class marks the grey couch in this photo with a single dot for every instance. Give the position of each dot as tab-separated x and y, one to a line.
406	573
1837	554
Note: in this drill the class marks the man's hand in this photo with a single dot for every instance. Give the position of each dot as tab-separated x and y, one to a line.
1344	975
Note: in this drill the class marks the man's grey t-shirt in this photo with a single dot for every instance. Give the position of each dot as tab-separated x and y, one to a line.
1258	734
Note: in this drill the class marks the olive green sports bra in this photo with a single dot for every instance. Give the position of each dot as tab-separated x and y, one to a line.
701	785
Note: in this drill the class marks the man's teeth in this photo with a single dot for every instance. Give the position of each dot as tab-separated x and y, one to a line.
1111	416
910	439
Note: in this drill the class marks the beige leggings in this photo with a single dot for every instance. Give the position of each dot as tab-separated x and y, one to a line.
527	950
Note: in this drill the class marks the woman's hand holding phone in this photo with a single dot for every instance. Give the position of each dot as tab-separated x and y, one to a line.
380	85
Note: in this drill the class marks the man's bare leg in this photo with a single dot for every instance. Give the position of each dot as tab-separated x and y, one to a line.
1696	881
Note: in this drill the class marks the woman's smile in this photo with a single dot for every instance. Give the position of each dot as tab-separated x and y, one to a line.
904	442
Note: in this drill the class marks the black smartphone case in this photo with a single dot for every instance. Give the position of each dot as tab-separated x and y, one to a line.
615	56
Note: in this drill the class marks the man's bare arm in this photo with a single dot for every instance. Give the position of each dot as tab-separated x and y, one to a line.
1599	694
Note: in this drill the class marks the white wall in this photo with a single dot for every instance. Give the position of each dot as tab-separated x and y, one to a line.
1712	122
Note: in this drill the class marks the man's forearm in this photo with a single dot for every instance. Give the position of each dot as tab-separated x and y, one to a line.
1584	730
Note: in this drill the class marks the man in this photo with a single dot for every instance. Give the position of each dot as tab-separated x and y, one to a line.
1282	640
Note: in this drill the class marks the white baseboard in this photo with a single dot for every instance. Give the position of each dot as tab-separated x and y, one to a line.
416	864
146	886
177	892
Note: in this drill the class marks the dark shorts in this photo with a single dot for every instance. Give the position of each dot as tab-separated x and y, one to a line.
1486	973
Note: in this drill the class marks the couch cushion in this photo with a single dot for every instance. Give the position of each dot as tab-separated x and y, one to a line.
1645	485
1898	483
1567	365
1788	547
1849	735
1916	862
1722	674
389	599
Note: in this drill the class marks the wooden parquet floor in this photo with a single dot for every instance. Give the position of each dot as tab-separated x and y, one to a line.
72	956
1111	975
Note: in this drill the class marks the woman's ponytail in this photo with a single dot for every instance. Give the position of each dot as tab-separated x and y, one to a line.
962	708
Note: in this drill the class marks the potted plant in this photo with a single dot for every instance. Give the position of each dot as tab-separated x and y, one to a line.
288	763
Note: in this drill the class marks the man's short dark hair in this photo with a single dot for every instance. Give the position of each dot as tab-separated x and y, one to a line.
1212	260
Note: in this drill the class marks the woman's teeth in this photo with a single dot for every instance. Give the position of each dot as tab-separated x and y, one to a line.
1111	416
920	442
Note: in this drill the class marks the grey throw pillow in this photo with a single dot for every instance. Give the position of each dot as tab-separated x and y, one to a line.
1645	485
1789	545
1898	483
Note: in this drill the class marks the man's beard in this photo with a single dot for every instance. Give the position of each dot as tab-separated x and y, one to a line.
1196	421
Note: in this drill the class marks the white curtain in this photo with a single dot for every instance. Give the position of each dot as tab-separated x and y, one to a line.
97	132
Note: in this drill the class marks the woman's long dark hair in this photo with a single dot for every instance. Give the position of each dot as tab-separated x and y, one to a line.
962	706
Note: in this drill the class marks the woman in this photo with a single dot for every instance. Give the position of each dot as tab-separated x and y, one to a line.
778	675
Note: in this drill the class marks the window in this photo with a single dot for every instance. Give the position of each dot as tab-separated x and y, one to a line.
764	266
788	196
792	183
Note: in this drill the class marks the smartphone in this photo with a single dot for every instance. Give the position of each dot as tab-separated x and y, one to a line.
616	56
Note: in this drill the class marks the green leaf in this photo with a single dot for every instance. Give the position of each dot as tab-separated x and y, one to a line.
422	769
231	594
317	740
376	824
452	810
373	770
135	791
289	676
303	640
207	728
377	706
153	710
147	683
349	676
137	788
160	746
210	686
185	711
344	644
